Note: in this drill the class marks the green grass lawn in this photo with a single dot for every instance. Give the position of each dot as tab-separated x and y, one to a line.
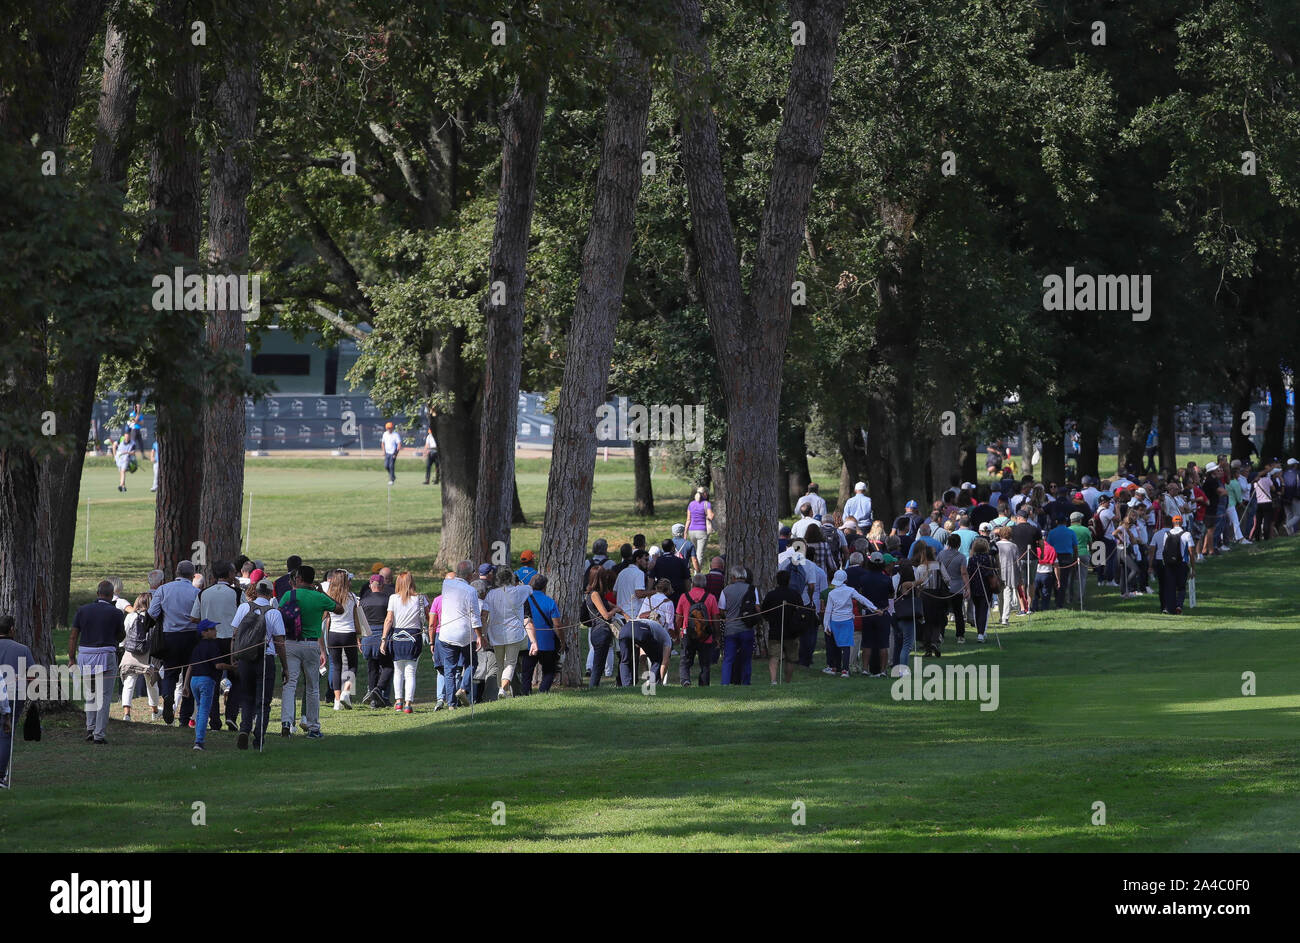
1119	705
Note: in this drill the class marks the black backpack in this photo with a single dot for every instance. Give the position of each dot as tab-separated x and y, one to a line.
750	615
1173	549
249	640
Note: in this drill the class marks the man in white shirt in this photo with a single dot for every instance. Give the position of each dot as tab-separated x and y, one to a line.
460	632
1089	492
256	677
430	457
858	507
392	445
813	500
806	520
629	589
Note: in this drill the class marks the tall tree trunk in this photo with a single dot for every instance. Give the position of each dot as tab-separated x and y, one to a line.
1167	423
793	439
38	103
750	331
1241	403
591	342
644	502
517	517
853	468
1275	431
231	178
1089	446
74	383
457	435
521	128
1135	454
1053	454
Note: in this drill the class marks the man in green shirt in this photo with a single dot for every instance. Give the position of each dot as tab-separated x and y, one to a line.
305	650
1082	537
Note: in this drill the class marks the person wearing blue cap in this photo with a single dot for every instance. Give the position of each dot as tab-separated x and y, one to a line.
206	664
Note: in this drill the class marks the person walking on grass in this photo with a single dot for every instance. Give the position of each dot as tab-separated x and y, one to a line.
341	639
123	456
738	635
97	627
660	615
837	617
785	612
256	676
876	622
602	610
699	523
1179	558
698	620
430	456
460	633
508	625
379	663
403	632
548	643
136	662
302	609
392	442
217	604
172	603
201	677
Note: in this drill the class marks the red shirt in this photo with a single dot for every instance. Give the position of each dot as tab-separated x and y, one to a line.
693	595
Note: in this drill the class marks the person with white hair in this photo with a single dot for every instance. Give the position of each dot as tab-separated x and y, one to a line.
858	507
738	636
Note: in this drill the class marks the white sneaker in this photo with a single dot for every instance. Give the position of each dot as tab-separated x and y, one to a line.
506	692
1243	540
338	706
828	670
979	638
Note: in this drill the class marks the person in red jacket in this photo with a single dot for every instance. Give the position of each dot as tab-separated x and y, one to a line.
698	622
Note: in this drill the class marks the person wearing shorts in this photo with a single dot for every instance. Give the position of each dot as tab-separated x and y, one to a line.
699	518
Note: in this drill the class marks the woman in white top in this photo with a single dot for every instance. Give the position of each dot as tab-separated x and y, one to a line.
507	626
657	611
838	616
341	639
403	636
136	662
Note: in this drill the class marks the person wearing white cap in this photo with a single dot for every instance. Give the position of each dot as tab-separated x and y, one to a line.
813	500
684	548
858	507
1216	497
1178	555
838	616
1291	494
